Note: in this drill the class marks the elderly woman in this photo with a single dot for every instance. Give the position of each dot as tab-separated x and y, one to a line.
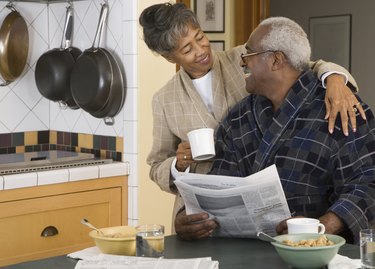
205	88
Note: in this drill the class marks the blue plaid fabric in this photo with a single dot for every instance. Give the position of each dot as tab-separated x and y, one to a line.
319	171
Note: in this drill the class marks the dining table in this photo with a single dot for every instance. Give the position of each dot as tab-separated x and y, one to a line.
231	253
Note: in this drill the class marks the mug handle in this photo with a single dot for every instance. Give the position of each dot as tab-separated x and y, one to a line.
321	228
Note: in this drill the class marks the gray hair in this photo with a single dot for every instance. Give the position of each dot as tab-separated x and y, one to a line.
288	37
164	25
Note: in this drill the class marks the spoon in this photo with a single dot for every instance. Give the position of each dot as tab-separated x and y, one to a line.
88	224
266	237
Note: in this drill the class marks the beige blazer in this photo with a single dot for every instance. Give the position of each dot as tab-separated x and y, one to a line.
178	109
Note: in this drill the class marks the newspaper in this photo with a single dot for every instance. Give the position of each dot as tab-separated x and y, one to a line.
242	206
120	262
92	258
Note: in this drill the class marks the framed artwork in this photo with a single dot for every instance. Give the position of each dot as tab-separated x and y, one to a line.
218	45
330	39
211	15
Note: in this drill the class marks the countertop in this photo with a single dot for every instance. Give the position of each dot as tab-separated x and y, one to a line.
231	254
39	178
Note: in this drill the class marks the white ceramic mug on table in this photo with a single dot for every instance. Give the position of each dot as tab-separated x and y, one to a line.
305	225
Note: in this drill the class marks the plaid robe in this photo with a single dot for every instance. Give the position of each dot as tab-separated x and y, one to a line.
319	171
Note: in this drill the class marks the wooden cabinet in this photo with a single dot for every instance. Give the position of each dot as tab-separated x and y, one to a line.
44	221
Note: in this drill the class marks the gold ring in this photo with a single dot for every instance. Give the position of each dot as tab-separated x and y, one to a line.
354	109
185	157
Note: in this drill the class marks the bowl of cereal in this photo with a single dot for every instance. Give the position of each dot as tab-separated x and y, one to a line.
308	251
117	240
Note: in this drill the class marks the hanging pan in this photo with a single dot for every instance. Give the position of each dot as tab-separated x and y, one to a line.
97	81
54	67
14	44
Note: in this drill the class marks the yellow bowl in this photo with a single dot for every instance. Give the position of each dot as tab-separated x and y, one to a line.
118	240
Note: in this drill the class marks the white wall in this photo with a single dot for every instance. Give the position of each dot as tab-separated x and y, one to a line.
362	41
155	205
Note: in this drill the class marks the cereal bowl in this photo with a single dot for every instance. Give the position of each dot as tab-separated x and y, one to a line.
307	257
117	240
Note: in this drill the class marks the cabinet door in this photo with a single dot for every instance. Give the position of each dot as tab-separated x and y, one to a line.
22	223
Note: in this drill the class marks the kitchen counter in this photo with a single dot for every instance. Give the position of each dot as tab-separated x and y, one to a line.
44	209
231	254
55	176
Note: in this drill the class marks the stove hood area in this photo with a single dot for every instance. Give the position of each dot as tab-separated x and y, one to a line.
46	160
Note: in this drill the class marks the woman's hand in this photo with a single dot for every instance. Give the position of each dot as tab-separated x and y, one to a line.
340	99
183	156
194	226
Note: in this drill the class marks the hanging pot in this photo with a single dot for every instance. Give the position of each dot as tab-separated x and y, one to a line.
97	78
54	67
14	44
117	98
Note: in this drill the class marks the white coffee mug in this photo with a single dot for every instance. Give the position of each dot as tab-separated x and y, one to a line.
202	143
305	225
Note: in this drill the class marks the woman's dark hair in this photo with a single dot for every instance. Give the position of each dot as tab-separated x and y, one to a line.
164	24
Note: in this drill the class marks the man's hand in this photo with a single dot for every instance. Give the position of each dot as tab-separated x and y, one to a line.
195	226
332	223
340	99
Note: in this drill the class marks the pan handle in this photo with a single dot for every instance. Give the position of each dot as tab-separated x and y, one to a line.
6	83
62	105
101	23
68	29
110	121
11	6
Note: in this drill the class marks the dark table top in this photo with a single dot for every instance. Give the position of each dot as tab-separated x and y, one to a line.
231	254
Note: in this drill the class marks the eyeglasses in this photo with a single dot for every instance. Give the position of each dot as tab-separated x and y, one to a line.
244	56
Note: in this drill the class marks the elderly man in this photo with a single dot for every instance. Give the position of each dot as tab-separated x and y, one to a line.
325	176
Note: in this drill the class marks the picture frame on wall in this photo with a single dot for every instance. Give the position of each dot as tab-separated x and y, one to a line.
218	45
330	39
211	15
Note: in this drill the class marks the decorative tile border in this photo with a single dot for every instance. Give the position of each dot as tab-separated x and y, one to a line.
107	147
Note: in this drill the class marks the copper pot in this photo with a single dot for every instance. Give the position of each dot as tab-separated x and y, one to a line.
14	41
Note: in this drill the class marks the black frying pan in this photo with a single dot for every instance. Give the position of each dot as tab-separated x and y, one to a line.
93	76
53	68
14	43
117	98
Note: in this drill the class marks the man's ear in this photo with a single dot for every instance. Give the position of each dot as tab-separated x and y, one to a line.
278	60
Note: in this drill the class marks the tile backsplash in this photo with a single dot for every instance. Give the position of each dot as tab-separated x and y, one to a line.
105	147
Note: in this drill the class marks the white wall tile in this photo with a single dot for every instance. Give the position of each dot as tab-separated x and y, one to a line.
53	176
133	173
12	110
130	110
130	10
130	137
130	64
130	38
1	182
20	181
83	173
113	169
133	203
